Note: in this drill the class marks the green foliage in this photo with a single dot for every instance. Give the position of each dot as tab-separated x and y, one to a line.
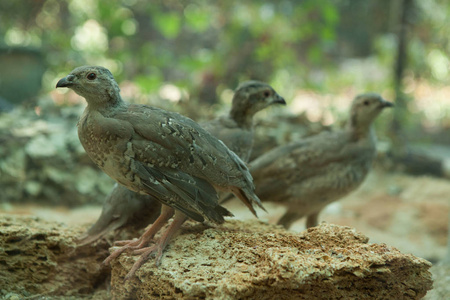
211	45
233	40
197	17
149	82
168	24
429	50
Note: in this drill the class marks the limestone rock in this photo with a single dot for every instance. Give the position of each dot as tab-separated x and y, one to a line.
43	161
253	260
40	258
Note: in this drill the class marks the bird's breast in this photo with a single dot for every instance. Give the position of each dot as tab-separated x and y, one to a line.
102	142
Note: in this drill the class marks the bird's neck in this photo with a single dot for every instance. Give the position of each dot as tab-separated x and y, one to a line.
106	105
242	119
362	131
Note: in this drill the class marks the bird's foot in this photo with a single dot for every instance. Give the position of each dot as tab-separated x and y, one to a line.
133	245
145	253
166	214
124	242
158	247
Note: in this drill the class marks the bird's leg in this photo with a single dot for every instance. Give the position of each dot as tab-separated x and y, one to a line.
289	218
159	246
166	213
312	220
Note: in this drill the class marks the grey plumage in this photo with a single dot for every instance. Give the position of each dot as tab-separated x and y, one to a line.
309	174
154	151
236	128
122	209
159	153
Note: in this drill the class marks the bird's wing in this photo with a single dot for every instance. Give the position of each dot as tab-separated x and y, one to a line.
329	160
238	140
304	156
193	196
179	162
172	140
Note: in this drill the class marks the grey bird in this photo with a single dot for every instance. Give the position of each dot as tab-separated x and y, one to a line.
159	153
308	175
236	128
124	208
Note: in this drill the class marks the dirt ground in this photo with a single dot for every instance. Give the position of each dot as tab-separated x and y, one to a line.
409	213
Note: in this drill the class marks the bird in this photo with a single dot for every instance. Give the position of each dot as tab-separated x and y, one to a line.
236	128
160	153
124	208
309	174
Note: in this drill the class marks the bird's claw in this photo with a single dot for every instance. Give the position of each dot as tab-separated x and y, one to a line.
145	254
127	245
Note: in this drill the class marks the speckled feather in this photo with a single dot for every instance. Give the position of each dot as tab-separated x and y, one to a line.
328	163
160	153
309	174
236	128
124	207
227	130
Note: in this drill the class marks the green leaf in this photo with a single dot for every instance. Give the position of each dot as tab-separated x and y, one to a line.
196	18
149	83
168	24
330	14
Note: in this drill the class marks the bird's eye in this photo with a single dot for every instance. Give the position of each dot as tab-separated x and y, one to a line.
266	94
91	76
366	102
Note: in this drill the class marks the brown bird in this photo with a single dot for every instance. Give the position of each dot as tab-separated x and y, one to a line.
124	208
236	128
159	153
309	174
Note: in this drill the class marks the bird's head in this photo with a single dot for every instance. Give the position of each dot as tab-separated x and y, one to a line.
253	96
96	84
366	107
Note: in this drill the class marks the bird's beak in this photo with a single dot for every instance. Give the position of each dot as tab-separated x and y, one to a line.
278	99
66	81
385	104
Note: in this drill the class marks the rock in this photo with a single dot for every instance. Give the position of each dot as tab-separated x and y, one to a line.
253	260
43	161
40	258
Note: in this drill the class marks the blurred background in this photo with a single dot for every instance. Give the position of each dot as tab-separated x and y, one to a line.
188	56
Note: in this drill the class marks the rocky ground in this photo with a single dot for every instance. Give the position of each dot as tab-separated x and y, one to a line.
405	212
253	260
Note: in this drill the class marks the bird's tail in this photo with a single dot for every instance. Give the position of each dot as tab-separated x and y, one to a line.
249	198
226	198
95	233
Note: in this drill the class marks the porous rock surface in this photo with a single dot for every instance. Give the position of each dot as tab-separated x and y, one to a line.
40	259
253	260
